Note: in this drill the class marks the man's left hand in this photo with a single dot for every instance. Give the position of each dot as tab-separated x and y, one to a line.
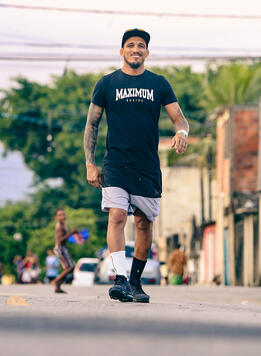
179	143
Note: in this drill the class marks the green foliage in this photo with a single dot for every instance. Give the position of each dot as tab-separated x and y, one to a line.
13	218
235	83
46	124
19	217
189	88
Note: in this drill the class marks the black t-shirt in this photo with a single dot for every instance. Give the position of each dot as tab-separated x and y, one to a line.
132	105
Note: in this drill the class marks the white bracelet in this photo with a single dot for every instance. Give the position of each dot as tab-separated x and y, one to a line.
183	132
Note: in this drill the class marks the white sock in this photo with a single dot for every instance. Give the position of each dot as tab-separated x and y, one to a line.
119	262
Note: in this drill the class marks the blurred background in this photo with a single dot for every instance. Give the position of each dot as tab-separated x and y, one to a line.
51	55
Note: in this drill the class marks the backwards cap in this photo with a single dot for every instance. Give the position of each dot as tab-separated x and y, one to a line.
136	32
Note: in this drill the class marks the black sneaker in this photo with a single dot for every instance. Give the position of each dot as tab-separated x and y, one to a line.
121	290
138	293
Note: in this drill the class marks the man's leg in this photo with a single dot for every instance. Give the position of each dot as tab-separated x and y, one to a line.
59	280
116	244
115	230
143	238
141	250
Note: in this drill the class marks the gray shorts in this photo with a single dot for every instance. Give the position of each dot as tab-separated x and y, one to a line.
114	197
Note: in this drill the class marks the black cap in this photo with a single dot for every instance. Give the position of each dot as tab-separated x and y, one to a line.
135	32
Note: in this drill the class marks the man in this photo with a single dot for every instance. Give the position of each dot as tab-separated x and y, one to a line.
178	261
60	250
131	183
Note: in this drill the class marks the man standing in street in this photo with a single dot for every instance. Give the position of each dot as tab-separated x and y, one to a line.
178	261
131	182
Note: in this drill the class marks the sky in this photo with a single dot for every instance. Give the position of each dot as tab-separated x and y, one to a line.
170	36
21	30
15	179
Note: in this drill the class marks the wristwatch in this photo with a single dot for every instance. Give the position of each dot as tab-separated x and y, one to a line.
183	132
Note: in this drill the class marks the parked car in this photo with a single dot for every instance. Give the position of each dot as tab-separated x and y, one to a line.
151	275
84	272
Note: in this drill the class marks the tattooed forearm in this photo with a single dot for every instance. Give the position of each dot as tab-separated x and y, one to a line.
180	123
175	113
91	132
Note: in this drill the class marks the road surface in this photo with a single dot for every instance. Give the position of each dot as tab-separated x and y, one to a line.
183	320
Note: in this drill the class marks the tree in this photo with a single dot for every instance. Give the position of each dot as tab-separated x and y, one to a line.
14	218
46	124
38	232
189	88
235	83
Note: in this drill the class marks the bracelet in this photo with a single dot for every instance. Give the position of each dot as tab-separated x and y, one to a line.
183	132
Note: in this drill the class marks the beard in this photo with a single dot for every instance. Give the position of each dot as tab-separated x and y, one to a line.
133	65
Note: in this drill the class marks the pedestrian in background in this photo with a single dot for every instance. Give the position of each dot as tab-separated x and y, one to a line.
31	268
131	182
18	261
178	261
60	250
51	266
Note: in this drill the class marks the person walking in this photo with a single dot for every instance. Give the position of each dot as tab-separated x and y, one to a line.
18	261
131	180
51	266
178	261
60	250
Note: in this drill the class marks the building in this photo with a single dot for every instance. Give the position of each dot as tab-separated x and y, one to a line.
238	248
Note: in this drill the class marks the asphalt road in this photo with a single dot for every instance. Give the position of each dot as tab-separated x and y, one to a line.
178	321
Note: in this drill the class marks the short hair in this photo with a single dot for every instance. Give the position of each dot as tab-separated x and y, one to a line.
59	209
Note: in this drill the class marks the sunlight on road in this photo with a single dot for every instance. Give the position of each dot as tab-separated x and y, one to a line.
17	300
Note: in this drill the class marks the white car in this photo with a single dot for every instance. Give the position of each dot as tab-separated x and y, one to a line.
83	274
151	275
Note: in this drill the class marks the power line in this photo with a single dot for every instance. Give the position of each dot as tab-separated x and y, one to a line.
56	45
63	58
131	13
105	46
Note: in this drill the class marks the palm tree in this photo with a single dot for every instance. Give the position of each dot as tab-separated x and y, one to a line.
236	83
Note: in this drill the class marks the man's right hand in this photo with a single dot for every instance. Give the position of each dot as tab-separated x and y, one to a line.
94	176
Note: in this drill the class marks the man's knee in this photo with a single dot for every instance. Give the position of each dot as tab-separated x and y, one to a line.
142	224
117	217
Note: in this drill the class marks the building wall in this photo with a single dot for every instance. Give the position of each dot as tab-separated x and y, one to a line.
223	156
180	199
245	149
223	166
209	247
237	184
